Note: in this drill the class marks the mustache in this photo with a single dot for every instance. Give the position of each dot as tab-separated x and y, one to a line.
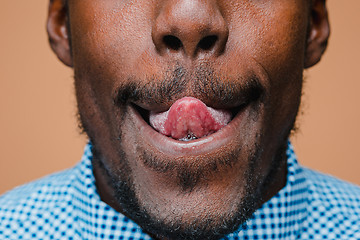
203	83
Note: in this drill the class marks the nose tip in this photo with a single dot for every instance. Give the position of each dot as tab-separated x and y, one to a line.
190	27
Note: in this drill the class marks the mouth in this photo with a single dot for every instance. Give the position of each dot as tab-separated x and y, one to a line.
189	122
192	145
200	123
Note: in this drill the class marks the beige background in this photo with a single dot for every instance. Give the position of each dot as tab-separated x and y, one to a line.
38	127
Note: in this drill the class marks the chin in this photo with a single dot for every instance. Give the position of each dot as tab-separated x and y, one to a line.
210	208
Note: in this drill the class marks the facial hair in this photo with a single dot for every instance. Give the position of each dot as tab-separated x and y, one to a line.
187	177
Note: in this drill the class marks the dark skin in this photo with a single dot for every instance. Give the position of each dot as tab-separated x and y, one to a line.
132	57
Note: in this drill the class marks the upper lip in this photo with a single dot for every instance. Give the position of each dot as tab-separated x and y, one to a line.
250	92
217	104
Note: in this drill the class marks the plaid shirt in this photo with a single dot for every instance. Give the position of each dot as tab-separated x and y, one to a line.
67	205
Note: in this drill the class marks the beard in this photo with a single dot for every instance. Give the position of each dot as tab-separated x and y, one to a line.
209	226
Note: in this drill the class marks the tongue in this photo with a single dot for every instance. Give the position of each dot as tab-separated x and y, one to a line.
188	119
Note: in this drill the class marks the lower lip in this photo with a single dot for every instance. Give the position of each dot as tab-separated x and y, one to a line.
205	145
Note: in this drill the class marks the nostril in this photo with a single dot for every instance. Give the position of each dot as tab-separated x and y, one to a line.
207	42
172	42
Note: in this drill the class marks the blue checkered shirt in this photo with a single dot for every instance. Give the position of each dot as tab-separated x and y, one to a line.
67	205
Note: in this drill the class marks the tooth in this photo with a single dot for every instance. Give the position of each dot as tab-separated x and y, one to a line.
189	137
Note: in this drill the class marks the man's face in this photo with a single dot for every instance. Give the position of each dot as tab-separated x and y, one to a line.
136	58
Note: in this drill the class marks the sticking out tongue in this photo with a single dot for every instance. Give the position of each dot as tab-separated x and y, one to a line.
188	119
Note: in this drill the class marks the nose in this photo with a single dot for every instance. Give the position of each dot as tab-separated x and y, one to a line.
190	27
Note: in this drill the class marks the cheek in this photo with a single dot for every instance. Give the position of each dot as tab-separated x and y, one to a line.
283	50
273	33
110	38
284	62
274	36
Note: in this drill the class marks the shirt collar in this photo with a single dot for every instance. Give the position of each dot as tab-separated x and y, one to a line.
283	215
280	217
95	216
